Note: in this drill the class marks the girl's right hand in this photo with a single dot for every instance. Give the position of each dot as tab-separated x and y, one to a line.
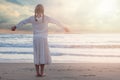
13	28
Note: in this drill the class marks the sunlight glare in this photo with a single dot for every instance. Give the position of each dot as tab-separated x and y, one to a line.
107	7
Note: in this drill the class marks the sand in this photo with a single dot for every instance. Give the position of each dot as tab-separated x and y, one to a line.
61	71
8	31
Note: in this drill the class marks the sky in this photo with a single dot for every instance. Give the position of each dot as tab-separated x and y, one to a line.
87	16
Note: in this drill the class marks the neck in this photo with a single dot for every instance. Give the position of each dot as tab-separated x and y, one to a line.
39	15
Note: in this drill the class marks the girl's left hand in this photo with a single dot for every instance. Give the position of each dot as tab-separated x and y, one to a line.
66	30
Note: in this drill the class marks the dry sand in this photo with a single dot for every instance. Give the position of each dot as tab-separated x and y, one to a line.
8	31
61	71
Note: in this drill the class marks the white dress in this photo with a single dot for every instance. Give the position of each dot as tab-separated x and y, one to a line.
40	42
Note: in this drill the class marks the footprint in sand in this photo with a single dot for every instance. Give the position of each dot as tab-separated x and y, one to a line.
0	78
28	69
88	75
5	73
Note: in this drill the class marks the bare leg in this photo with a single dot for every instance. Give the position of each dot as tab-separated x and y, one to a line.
42	69
37	70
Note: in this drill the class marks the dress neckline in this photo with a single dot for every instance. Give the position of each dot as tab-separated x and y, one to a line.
38	18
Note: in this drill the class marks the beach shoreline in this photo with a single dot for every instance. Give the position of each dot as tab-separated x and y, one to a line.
8	31
61	71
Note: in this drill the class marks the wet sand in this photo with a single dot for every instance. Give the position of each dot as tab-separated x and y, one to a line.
61	71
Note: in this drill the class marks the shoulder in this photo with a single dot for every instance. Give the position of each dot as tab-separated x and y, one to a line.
31	17
46	17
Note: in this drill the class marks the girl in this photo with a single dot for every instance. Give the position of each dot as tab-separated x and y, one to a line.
40	31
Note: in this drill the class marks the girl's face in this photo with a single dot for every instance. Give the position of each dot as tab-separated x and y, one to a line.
39	12
39	9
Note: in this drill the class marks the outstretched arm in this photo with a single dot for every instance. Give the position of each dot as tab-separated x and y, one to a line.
51	20
21	23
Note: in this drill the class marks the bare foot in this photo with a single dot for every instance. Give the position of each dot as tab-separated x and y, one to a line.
43	75
38	75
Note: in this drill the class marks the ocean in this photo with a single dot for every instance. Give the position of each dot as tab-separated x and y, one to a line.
64	48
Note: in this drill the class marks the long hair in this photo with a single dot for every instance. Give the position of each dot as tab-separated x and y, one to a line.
39	10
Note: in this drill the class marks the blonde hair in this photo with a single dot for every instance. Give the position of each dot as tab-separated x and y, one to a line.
39	10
